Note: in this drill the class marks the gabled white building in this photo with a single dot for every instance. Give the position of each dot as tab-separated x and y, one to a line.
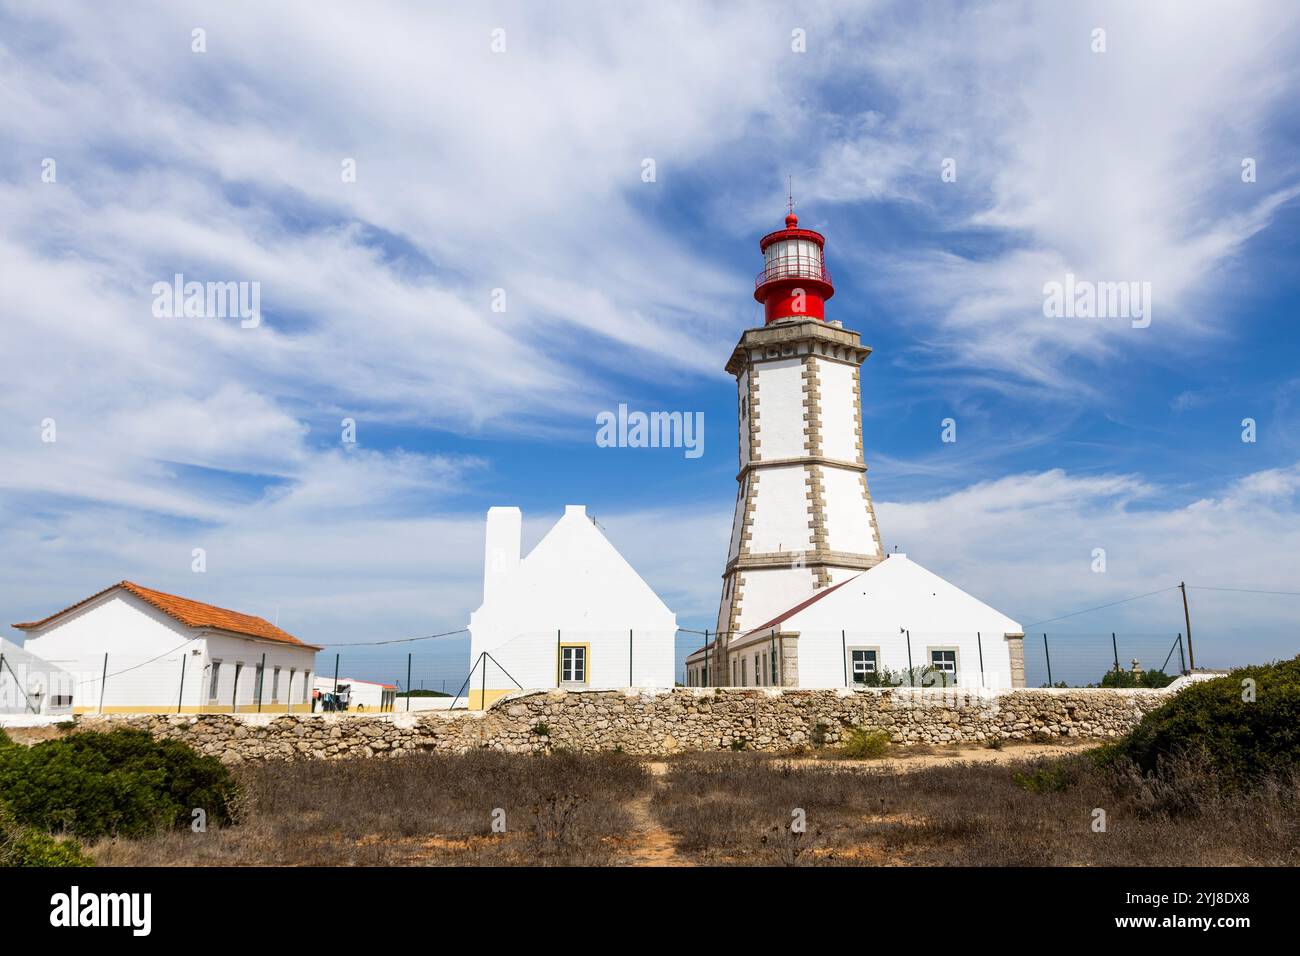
572	614
896	617
132	649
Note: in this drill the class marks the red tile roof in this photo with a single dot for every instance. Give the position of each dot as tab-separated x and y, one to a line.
189	613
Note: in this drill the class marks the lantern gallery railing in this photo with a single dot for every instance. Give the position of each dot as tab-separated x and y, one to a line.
793	267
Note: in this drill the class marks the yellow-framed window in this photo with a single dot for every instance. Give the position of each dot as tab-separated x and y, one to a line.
574	663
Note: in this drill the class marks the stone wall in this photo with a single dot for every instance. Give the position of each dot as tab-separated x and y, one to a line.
663	722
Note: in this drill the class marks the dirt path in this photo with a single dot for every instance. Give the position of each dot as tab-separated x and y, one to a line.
652	845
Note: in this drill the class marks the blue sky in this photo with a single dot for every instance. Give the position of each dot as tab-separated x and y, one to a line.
522	171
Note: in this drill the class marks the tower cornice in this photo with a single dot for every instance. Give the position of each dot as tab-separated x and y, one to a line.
794	339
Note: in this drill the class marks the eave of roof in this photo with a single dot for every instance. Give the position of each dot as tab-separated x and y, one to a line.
191	613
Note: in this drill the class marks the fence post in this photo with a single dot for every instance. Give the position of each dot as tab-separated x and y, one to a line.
103	679
1114	647
911	674
844	655
979	644
704	677
559	656
408	682
180	698
234	690
629	657
1187	618
260	683
336	679
482	700
1048	654
1182	663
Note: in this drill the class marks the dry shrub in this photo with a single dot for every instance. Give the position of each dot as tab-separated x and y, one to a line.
421	809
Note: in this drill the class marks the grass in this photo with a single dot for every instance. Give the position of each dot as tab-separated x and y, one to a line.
424	809
1028	813
737	809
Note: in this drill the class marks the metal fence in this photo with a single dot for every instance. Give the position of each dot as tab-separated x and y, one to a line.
441	675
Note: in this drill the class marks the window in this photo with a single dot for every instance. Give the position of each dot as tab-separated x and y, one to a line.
864	663
744	672
573	664
275	684
306	686
258	683
733	673
775	678
758	669
288	691
946	663
213	681
234	692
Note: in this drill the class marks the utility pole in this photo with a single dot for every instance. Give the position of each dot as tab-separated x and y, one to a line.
1187	618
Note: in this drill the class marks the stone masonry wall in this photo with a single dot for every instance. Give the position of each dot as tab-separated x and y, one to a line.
659	723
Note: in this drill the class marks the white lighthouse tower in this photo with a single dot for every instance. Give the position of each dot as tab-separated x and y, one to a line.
804	519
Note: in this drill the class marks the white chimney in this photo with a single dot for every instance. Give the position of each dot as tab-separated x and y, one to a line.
505	529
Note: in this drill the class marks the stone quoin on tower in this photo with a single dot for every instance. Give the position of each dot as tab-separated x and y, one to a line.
804	519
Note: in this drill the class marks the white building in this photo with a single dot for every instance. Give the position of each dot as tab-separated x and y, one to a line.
572	614
30	685
131	649
361	695
804	523
896	618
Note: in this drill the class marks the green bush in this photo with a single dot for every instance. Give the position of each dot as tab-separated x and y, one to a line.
4	739
1244	740
1050	775
120	783
25	846
1152	679
862	744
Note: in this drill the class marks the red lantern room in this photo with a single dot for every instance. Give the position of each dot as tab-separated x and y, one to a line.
794	283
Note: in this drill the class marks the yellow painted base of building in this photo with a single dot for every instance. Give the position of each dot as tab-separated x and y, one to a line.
271	709
492	694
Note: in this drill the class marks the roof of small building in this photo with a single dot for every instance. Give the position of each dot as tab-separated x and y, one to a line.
188	612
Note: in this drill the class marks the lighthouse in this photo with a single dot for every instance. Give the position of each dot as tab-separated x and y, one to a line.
804	521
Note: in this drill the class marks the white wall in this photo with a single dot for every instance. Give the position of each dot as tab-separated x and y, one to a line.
780	408
875	608
848	522
230	651
838	409
781	511
772	591
577	583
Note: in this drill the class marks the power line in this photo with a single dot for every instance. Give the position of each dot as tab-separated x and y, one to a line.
1100	607
1206	587
401	640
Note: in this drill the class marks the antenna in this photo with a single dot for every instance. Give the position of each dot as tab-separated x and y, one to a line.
789	193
